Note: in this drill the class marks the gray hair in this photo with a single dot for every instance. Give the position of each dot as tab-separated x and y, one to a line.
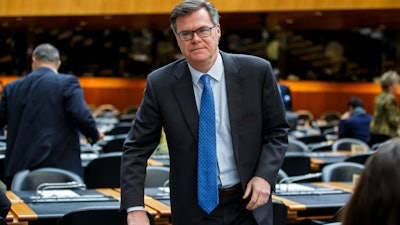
46	53
388	78
188	7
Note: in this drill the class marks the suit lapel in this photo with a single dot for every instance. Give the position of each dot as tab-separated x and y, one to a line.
183	90
234	91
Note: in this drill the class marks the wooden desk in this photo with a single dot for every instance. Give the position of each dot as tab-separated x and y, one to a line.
320	159
160	211
23	212
316	206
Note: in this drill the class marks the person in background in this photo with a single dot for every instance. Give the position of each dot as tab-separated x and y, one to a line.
285	92
354	123
376	197
44	113
385	122
251	132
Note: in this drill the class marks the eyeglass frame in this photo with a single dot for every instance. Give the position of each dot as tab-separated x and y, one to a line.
196	31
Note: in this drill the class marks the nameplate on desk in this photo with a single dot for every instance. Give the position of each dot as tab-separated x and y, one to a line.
299	189
68	196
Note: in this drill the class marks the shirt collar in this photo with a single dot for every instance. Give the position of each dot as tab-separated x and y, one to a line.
215	72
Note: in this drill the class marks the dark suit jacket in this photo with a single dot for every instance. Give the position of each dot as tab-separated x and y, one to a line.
286	97
258	129
356	126
44	113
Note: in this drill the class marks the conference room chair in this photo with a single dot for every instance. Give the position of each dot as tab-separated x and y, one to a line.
157	176
312	139
100	215
359	158
104	171
294	145
126	118
120	128
30	180
114	144
347	143
280	212
304	116
281	175
341	171
296	164
106	110
331	117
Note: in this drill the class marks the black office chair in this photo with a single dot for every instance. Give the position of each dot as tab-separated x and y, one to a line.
312	139
30	180
104	171
280	213
346	143
296	164
281	175
359	158
98	216
341	171
295	145
120	128
114	145
157	176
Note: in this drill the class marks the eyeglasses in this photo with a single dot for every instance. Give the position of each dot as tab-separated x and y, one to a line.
202	32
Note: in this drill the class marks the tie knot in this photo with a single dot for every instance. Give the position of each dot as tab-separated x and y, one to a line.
205	79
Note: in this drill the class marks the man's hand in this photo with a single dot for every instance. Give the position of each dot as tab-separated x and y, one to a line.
138	217
260	190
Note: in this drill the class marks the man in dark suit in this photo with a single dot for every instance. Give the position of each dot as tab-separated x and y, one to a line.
251	130
355	122
44	113
285	92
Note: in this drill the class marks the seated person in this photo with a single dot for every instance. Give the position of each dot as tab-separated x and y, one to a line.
355	122
376	197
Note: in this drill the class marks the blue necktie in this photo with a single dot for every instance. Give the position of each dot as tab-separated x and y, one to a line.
207	187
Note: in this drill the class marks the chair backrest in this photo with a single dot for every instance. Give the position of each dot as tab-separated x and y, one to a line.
294	164
30	180
104	171
281	175
121	128
310	139
156	176
280	213
341	171
346	144
97	215
115	144
304	116
359	158
295	145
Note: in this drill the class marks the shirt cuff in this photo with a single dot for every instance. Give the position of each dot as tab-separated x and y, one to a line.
135	208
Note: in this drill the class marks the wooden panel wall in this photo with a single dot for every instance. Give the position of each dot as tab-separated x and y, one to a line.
104	7
315	96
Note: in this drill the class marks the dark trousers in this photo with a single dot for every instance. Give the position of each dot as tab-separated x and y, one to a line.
230	211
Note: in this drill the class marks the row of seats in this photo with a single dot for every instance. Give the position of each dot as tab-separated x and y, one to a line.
311	143
335	172
102	172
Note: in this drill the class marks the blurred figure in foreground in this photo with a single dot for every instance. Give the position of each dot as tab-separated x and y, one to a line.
376	198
